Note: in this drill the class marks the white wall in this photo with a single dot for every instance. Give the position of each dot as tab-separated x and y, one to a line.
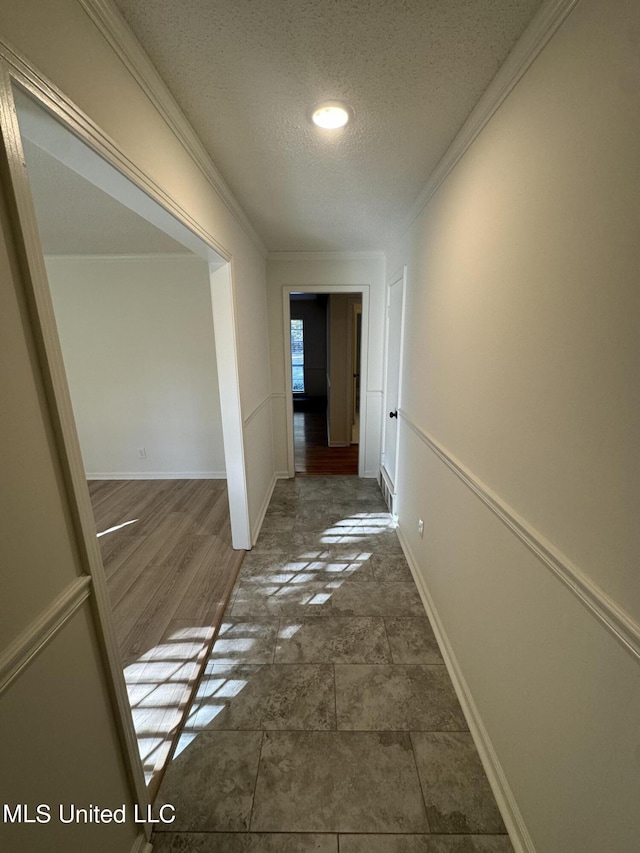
137	340
319	270
521	360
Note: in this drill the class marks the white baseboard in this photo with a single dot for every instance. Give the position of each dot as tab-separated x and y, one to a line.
513	820
255	530
156	475
141	845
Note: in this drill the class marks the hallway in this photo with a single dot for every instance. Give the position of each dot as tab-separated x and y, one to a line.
326	719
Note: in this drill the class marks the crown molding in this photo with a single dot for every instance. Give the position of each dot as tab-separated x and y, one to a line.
120	37
115	30
89	133
326	256
137	256
545	23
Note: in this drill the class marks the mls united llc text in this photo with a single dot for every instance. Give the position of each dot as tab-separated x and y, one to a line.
71	813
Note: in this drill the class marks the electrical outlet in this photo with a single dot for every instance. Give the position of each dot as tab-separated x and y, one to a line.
142	453
420	527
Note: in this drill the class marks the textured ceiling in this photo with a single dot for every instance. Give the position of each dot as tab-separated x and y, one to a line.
76	218
247	72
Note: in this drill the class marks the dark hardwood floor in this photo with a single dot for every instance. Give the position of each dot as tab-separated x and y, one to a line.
311	451
170	567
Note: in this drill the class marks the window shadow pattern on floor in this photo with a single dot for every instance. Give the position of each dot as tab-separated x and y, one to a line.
326	717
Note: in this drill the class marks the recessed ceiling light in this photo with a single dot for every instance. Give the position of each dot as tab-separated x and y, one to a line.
331	115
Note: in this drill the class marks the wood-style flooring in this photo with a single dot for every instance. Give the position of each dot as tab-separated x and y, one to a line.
170	567
311	451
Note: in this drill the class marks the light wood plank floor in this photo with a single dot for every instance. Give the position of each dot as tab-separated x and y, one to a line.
170	567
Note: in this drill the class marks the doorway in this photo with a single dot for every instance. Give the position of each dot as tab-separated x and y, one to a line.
321	364
325	354
67	189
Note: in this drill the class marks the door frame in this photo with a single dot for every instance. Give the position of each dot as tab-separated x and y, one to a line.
363	291
356	356
400	278
16	73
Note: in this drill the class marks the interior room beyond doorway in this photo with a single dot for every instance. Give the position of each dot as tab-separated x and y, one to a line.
325	373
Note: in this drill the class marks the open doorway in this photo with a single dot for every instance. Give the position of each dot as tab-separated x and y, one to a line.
325	352
146	410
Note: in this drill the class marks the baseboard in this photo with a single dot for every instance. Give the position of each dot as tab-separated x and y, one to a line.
255	530
513	820
157	475
327	256
141	845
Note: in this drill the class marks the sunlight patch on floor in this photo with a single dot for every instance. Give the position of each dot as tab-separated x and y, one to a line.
117	527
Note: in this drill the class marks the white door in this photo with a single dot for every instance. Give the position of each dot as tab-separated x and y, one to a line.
395	304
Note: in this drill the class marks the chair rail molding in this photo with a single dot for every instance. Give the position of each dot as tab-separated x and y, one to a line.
620	623
42	630
257	409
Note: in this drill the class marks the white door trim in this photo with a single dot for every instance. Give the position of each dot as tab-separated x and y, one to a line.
224	323
399	278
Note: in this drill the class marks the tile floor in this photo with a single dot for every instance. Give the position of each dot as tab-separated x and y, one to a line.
326	720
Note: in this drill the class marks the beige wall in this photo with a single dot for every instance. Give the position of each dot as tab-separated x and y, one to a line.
521	359
60	747
51	751
57	727
137	340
